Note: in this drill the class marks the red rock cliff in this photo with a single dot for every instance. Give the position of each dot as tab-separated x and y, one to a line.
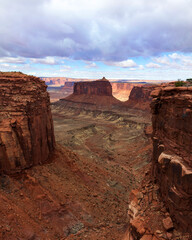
95	94
26	127
172	150
100	88
121	86
68	85
122	90
140	97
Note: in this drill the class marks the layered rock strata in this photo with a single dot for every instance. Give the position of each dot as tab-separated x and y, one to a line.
68	86
172	151
100	88
140	97
122	90
26	127
92	95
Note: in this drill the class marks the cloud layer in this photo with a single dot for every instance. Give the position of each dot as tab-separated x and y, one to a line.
98	30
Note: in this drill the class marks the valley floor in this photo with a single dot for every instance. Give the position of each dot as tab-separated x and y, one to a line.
84	192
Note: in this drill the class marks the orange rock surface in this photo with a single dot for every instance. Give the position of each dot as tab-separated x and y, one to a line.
172	151
26	127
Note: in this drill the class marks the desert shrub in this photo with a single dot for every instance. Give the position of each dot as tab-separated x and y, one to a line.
180	83
189	80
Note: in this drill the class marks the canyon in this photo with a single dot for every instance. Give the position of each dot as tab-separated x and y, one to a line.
120	90
105	171
99	94
61	87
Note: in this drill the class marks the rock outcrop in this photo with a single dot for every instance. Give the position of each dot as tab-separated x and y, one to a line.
68	86
26	127
60	81
54	81
99	88
122	90
92	95
140	97
172	151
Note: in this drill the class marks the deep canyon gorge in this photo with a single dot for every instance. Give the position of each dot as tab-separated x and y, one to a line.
89	166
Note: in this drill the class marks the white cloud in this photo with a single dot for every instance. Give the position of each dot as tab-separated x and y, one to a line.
184	60
97	30
141	67
129	63
152	65
65	68
174	56
91	65
18	60
162	60
46	60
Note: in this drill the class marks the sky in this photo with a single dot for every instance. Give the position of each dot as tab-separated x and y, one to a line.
124	39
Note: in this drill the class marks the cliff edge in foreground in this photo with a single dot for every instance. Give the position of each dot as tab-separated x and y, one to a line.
172	151
26	127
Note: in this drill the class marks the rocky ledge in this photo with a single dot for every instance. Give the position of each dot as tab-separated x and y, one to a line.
172	151
26	127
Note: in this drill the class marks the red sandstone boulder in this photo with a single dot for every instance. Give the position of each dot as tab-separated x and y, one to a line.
147	237
168	224
26	127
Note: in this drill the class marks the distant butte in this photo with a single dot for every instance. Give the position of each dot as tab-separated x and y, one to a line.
97	93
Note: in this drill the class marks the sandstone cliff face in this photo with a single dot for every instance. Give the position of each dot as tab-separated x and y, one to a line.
122	90
100	88
91	95
26	127
140	97
122	86
68	85
54	81
172	150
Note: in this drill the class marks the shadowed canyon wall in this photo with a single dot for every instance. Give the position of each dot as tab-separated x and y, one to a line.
172	150
26	127
140	97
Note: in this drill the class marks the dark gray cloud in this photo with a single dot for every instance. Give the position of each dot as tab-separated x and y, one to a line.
106	30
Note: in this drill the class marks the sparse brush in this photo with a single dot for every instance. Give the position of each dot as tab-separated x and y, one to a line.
180	83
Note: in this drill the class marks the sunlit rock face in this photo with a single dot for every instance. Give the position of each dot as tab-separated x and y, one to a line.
122	91
26	127
172	150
